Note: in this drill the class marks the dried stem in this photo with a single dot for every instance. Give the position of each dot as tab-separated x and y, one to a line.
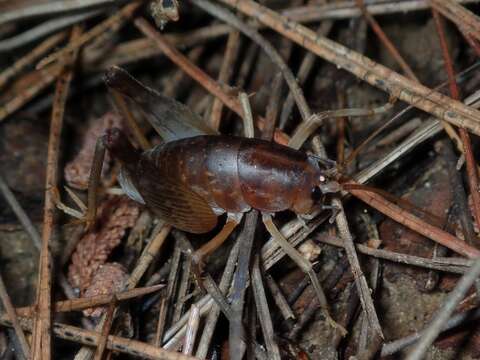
341	129
148	254
306	128
45	76
360	281
349	9
134	50
182	291
415	223
398	58
20	214
263	312
271	252
220	300
217	296
50	9
386	41
112	24
461	16
304	70
212	318
271	52
43	29
303	264
467	144
167	300
174	84
114	343
85	303
364	68
312	308
246	238
248	129
225	74
470	39
366	338
41	345
247	64
279	298
459	196
399	133
8	306
107	325
26	60
192	330
273	107
197	74
453	265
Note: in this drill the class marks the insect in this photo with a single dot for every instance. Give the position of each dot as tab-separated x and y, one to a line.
197	174
189	182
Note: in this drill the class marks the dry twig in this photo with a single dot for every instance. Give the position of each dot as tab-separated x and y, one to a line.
114	343
41	345
197	74
231	51
8	306
360	281
111	24
89	302
26	60
364	68
467	144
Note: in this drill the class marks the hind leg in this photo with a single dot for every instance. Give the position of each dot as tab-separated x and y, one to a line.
303	264
87	212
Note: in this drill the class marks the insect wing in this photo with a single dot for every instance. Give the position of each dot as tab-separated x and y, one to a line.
170	118
174	202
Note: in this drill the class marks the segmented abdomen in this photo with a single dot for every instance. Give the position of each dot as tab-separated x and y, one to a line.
235	174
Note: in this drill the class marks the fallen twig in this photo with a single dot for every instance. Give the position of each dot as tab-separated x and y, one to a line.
197	74
88	302
112	24
41	344
361	282
364	68
26	60
114	343
8	306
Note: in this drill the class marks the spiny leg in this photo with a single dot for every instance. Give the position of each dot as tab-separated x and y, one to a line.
65	208
81	205
217	241
303	263
88	213
198	256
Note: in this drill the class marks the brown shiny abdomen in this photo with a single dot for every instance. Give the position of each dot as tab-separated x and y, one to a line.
234	174
274	177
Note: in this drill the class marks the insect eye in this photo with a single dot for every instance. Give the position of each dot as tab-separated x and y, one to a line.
316	194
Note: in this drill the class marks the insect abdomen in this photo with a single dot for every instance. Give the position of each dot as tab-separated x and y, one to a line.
234	174
274	178
208	165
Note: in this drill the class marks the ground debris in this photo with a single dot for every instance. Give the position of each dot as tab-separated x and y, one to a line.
77	171
116	215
